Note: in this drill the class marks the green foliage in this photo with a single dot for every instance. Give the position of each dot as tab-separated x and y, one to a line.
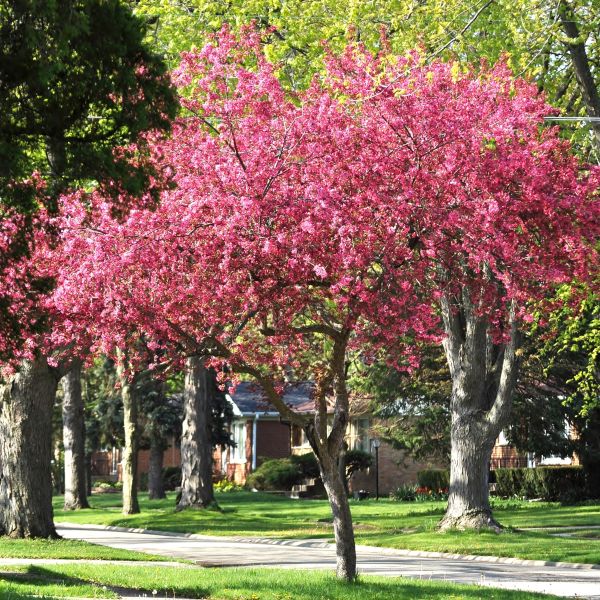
404	493
434	479
415	407
171	478
564	484
76	80
307	463
275	474
224	486
356	460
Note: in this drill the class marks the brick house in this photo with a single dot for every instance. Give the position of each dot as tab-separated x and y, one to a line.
506	456
259	433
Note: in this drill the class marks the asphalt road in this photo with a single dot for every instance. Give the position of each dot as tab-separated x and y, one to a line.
212	551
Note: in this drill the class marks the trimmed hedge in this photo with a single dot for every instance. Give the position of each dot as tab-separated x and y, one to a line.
434	479
275	474
308	465
563	484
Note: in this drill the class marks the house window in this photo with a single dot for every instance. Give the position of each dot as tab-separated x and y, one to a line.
358	438
238	430
299	439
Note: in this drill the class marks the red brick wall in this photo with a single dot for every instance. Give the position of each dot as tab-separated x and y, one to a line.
272	440
394	470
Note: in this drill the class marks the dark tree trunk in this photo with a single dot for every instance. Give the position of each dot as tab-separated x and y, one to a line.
483	380
156	489
26	404
329	450
343	529
196	445
129	462
88	474
74	440
581	66
471	449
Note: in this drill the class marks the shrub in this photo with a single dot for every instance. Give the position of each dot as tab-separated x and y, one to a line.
404	493
171	478
275	474
509	482
143	482
226	486
434	479
357	460
564	484
308	465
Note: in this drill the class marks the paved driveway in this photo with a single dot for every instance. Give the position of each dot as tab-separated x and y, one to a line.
315	554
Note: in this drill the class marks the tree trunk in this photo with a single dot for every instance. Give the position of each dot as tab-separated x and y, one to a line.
156	489
483	380
468	502
196	445
329	450
129	462
26	404
74	440
581	66
345	548
88	474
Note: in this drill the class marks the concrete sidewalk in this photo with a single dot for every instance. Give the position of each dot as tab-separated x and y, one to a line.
212	551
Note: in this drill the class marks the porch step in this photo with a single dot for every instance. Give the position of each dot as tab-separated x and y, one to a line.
309	488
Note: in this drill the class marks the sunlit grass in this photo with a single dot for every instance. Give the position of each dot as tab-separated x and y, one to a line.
377	523
243	584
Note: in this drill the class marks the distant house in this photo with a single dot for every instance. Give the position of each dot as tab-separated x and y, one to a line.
506	456
260	433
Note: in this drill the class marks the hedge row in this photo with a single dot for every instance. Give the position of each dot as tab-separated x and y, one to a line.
434	479
564	484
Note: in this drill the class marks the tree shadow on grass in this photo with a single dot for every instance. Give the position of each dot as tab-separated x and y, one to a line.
46	579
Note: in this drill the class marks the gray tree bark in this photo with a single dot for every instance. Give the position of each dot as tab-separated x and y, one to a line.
156	490
129	463
581	66
196	446
343	529
74	440
483	380
26	403
329	450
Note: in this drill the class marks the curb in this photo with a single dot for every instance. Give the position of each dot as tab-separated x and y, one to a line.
380	550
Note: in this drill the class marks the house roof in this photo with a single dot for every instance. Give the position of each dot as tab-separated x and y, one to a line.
248	398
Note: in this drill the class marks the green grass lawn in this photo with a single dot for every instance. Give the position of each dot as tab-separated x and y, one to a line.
230	584
378	523
70	549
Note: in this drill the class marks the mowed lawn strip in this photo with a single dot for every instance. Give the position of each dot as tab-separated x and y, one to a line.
378	523
254	584
68	549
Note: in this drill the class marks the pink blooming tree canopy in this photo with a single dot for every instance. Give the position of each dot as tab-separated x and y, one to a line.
391	201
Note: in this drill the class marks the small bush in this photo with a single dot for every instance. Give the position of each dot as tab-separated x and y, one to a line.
357	460
226	486
509	482
104	485
404	493
143	482
308	465
434	479
275	474
171	478
563	484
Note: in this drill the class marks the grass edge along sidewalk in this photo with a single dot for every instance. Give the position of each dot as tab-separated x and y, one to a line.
408	526
63	581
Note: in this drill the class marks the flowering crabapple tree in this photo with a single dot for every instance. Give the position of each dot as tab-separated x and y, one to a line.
500	213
